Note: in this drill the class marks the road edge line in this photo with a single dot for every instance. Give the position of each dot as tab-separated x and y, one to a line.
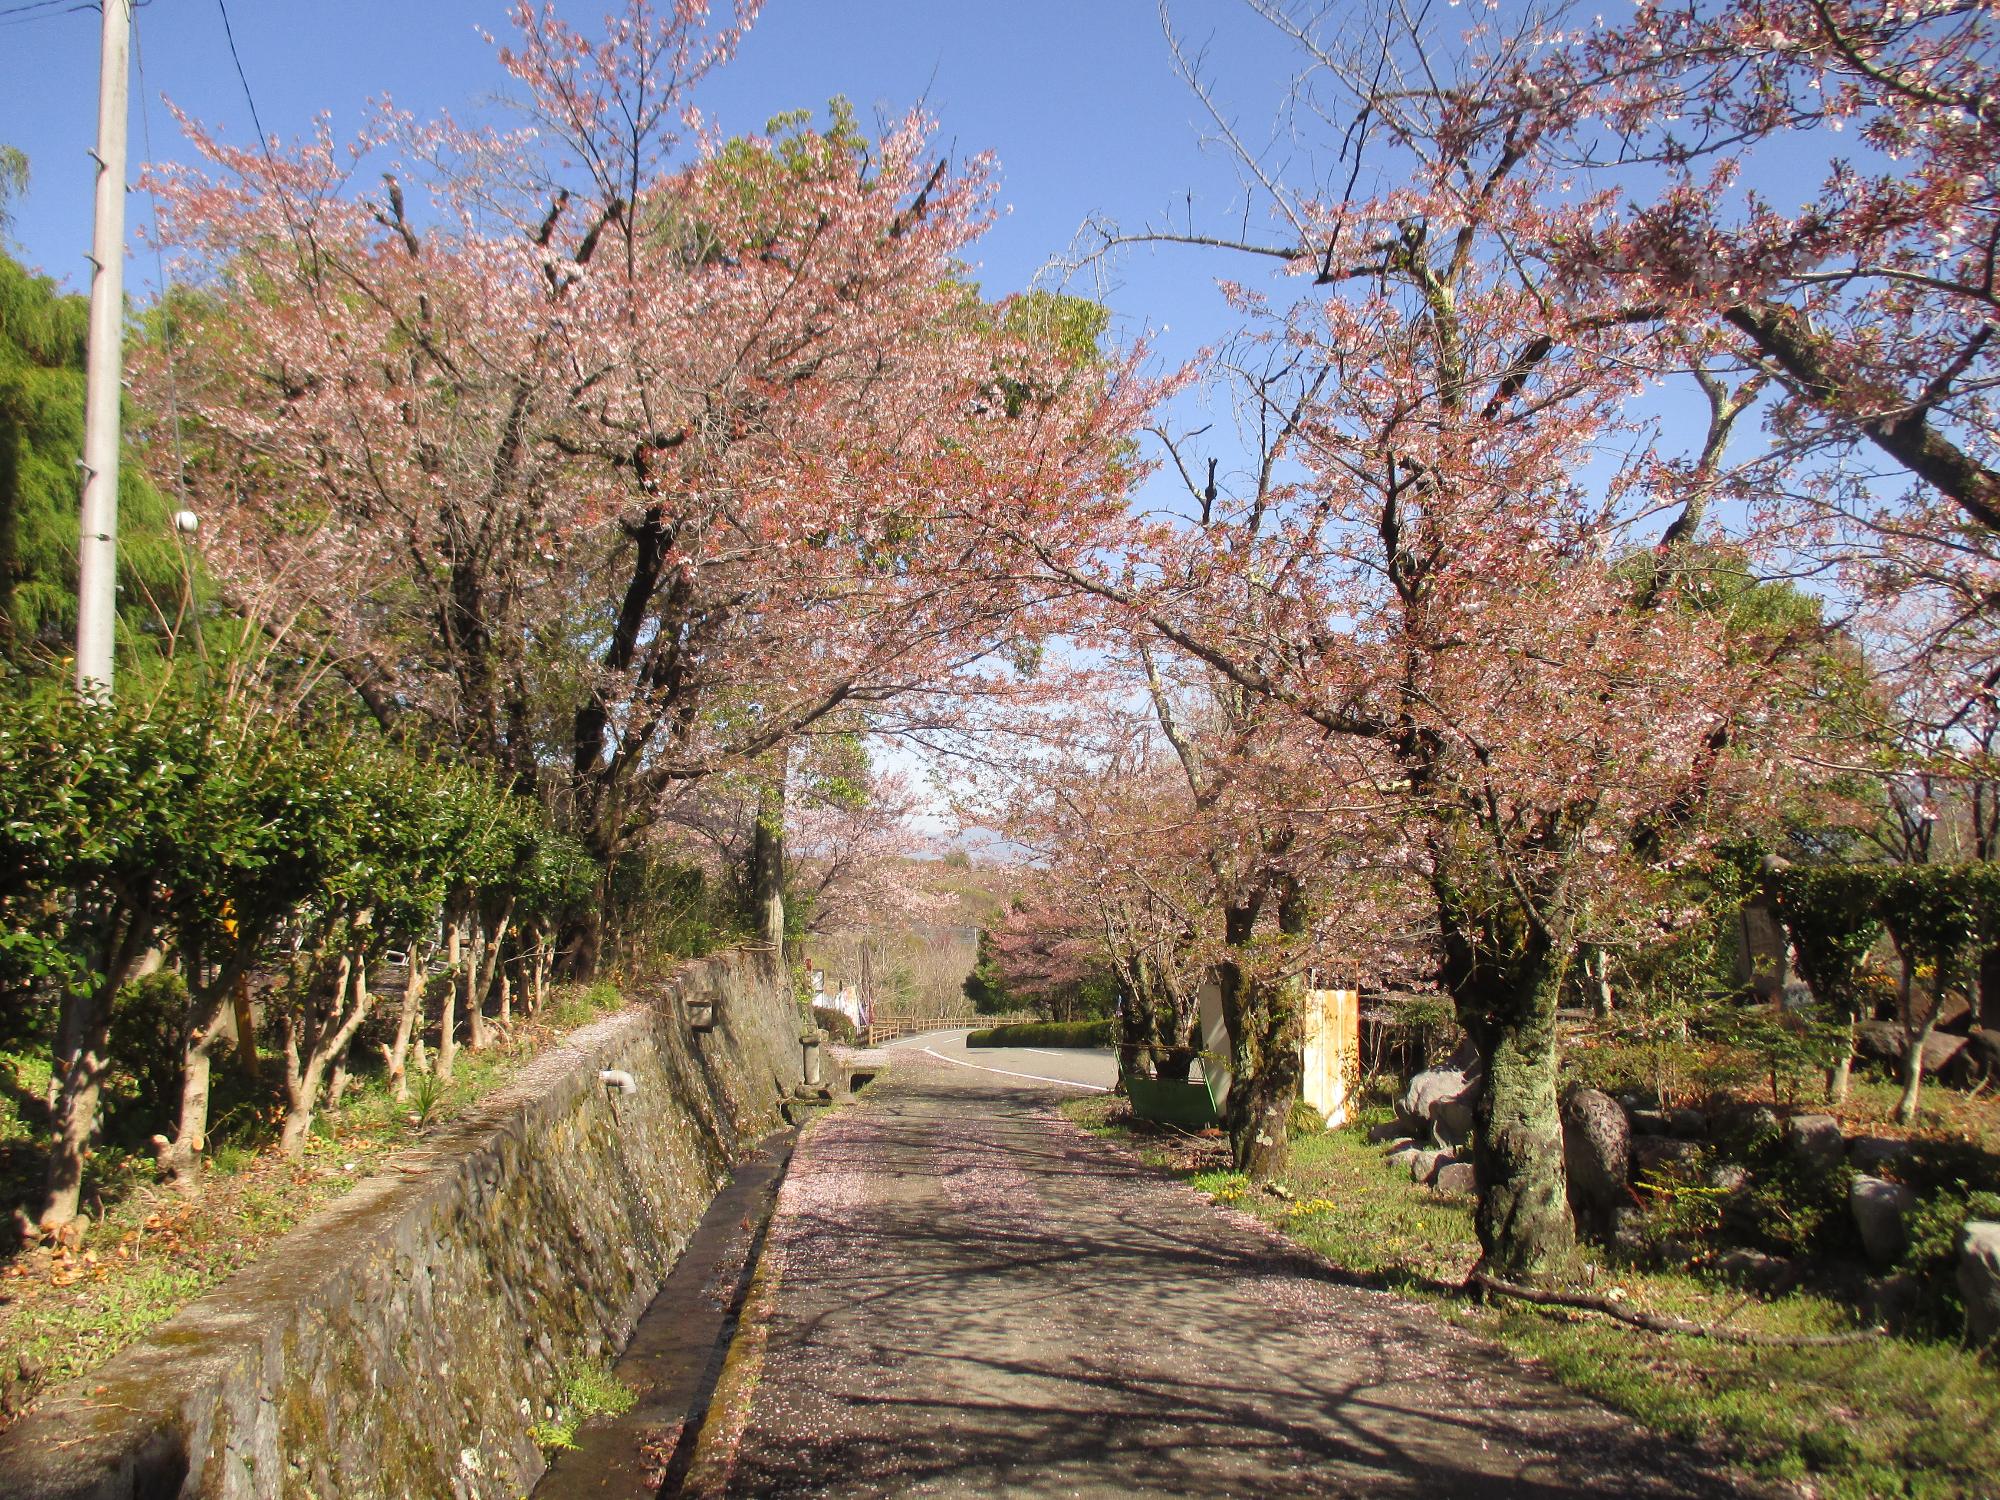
1067	1083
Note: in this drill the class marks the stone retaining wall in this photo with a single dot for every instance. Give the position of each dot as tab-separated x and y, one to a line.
401	1342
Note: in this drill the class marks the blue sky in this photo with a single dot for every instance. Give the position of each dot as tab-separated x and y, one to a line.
1079	98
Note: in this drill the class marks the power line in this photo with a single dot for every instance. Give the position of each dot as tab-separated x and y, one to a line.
68	5
229	36
42	10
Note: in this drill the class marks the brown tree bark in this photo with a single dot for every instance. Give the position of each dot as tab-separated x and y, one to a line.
180	1158
447	1047
315	1034
83	1060
396	1053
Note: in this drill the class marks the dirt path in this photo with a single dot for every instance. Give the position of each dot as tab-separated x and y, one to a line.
963	1294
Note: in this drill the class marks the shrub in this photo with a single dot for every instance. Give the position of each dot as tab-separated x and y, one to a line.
1047	1034
834	1023
146	1022
1932	1255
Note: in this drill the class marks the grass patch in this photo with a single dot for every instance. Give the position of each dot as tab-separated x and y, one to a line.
150	1252
1907	1417
584	1389
1046	1034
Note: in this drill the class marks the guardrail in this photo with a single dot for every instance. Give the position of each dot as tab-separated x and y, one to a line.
878	1032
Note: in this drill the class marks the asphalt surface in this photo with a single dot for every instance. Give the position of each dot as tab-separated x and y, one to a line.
962	1294
1068	1070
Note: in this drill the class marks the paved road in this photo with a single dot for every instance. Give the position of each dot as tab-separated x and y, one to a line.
964	1295
1090	1069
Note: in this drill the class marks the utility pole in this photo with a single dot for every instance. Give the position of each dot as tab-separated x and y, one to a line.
97	539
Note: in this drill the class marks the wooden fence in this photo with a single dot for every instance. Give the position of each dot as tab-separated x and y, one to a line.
878	1032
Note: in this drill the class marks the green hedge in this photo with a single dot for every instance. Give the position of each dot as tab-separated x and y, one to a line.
1046	1034
835	1024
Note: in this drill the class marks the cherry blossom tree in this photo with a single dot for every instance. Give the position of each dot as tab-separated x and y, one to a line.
1445	557
648	450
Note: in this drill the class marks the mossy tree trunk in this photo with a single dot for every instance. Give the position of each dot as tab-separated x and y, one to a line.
1504	968
1264	1066
1138	1020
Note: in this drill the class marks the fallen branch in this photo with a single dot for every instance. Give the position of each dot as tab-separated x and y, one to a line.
1657	1323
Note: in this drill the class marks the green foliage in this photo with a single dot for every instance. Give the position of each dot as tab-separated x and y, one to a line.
835	1024
986	986
666	907
13	181
1047	1034
1795	1047
1830	915
584	1389
42	333
1938	915
147	1021
575	1005
427	1092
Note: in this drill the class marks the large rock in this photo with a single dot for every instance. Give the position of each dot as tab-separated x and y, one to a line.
1979	1279
1892	1302
1814	1140
1742	1123
1978	1061
1690	1124
1649	1122
1729	1177
1940	1048
1753	1268
1954	1013
1880	1209
1391	1130
1655	1155
1883	1042
1441	1101
1457	1179
1597	1157
1424	1164
1879	1042
1869	1154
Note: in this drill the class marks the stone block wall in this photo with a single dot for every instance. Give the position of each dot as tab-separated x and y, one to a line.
402	1342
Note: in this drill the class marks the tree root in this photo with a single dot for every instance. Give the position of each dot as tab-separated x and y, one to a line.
1658	1323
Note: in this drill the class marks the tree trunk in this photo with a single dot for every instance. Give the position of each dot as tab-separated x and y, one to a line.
180	1158
1517	1149
447	1047
475	995
1915	1034
1138	1025
1597	968
83	1060
1841	1075
1989	988
767	865
246	1026
1503	969
326	1026
492	973
396	1054
1263	1063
